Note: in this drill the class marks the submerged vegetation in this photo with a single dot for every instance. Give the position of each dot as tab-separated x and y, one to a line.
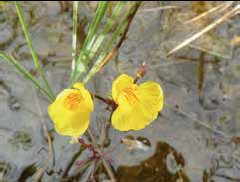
88	129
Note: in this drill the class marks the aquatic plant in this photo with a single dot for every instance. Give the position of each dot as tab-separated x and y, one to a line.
133	106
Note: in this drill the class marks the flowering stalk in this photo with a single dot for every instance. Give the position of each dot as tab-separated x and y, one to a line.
109	102
140	72
105	163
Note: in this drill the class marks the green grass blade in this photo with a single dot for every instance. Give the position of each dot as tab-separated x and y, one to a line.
121	27
29	42
104	53
106	30
117	10
74	34
80	64
20	69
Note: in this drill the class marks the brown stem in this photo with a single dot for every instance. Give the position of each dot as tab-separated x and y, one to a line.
105	100
201	77
114	51
107	141
109	102
105	164
140	72
101	98
72	161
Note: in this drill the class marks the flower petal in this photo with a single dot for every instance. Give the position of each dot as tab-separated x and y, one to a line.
129	118
151	98
69	123
148	101
120	84
86	95
71	110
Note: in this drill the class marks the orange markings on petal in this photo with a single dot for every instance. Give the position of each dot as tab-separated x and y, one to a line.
129	94
137	105
72	101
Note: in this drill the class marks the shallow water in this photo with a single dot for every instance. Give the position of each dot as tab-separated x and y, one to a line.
179	147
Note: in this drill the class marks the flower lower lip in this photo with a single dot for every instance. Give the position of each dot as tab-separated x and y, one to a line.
130	95
72	101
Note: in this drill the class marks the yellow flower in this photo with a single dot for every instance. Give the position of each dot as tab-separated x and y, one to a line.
71	110
138	105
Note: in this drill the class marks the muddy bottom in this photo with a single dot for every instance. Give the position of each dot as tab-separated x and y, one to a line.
195	137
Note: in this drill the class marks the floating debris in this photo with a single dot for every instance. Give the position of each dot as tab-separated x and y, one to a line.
139	143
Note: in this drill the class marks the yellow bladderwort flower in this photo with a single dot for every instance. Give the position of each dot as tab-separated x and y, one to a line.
138	105
71	110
